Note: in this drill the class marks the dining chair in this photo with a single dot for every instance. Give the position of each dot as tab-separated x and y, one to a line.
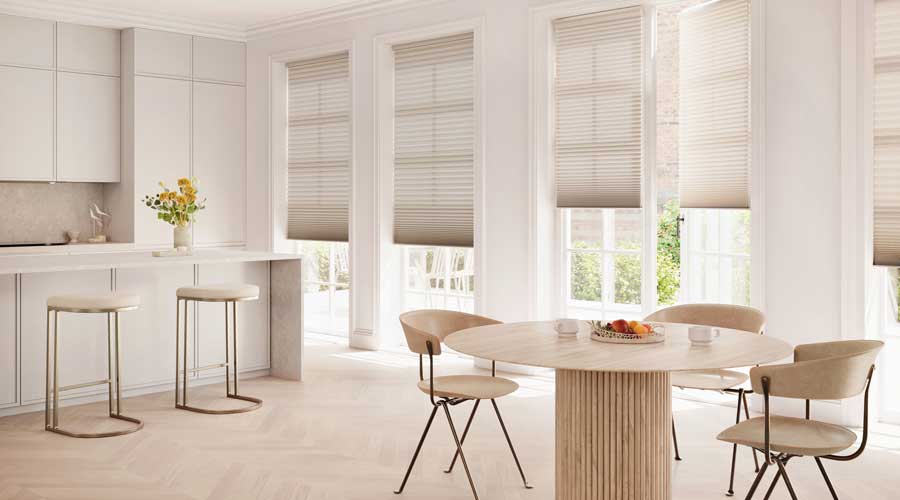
824	371
425	330
728	381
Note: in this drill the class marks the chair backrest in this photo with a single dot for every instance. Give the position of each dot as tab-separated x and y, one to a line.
829	370
434	325
730	316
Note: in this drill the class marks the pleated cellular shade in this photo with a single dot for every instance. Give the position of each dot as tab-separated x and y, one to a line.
434	141
714	109
886	185
319	149
598	97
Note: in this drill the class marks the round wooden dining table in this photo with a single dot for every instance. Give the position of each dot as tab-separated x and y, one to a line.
614	401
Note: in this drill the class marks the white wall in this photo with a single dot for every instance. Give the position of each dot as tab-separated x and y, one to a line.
802	185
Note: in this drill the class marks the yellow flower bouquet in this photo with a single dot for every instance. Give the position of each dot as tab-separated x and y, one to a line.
176	207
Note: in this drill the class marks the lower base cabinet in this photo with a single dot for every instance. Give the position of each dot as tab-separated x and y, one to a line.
8	342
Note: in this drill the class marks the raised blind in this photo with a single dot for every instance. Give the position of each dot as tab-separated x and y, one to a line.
598	97
714	108
434	141
319	149
886	185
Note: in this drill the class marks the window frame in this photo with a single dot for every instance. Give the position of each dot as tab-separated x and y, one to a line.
548	229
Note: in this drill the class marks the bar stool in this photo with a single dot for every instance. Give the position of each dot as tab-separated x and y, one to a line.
229	294
111	304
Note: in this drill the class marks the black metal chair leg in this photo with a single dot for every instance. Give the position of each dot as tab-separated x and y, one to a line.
827	480
509	441
464	434
772	486
787	480
462	456
418	449
675	440
737	420
759	476
747	416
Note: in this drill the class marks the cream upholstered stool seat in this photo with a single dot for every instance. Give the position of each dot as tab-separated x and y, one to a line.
110	304
469	386
228	294
794	436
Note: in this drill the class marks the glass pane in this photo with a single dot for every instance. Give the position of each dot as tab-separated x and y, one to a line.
734	231
628	229
586	273
668	255
586	228
341	263
741	282
628	279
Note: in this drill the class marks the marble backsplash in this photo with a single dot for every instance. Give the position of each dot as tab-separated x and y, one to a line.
42	212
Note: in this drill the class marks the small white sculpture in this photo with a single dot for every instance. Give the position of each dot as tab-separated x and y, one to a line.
97	224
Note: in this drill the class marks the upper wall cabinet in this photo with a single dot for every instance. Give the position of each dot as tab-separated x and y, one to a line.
219	60
26	124
87	128
26	42
161	53
87	49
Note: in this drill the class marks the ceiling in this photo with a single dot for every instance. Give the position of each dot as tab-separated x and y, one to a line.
226	18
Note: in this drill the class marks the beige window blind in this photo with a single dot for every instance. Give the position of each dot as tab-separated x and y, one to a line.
434	141
319	149
714	108
886	185
598	97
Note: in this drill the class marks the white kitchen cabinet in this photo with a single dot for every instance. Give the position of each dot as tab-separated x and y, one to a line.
82	340
26	124
218	162
26	42
162	148
219	60
8	354
87	128
148	357
253	318
87	49
161	53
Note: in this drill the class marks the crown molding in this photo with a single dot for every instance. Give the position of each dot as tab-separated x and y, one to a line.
340	13
85	12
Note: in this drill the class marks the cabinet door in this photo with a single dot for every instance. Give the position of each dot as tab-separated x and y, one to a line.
253	318
82	340
162	148
26	42
219	60
26	124
148	356
219	162
87	128
8	349
88	49
162	53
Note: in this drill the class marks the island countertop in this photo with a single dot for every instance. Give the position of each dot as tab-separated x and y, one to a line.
55	262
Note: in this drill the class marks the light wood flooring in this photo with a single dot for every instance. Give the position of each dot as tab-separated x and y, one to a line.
348	432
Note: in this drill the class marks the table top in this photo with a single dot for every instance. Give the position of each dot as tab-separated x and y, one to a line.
537	344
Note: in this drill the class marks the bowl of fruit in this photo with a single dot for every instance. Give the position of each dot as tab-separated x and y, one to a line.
621	331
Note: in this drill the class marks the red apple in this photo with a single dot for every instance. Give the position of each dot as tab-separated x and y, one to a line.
620	326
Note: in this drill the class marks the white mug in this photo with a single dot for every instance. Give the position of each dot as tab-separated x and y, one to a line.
566	326
702	334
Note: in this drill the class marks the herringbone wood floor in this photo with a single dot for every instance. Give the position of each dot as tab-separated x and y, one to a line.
347	432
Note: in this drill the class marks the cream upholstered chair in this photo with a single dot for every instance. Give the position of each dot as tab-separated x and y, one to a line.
723	316
424	331
830	370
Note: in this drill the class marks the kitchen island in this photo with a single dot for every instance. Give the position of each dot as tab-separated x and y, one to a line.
270	329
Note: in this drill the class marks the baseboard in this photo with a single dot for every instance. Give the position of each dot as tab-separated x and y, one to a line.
129	392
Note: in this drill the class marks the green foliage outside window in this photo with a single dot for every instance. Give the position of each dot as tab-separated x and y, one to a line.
668	255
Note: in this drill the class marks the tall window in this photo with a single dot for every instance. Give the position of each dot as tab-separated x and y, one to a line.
701	163
318	185
434	172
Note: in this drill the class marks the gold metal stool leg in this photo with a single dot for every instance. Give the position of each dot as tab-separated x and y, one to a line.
114	411
257	403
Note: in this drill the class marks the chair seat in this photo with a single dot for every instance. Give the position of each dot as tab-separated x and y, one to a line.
104	302
223	292
470	386
796	436
711	380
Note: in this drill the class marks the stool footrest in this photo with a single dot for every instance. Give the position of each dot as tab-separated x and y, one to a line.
207	367
86	384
